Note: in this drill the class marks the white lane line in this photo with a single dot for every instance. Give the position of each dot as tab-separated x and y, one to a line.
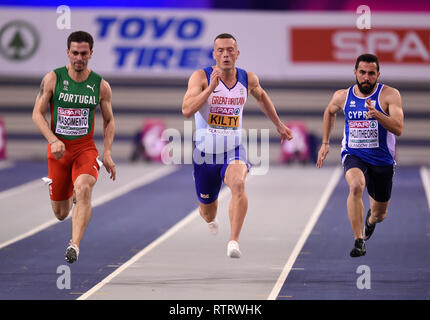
337	173
426	182
139	182
29	233
34	184
179	225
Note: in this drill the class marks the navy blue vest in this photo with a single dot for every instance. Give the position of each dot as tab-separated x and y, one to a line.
366	138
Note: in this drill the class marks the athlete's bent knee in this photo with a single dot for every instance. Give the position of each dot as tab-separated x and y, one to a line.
380	217
356	188
83	191
237	186
61	213
208	211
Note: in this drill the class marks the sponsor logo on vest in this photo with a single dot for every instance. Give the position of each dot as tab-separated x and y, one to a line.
91	87
225	111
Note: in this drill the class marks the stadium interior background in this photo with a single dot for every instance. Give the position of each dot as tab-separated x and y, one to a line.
149	85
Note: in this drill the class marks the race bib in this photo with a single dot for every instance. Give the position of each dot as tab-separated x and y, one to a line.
223	120
363	134
72	122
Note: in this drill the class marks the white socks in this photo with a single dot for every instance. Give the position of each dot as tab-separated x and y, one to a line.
213	226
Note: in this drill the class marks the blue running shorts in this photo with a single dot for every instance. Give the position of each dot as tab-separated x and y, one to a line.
209	171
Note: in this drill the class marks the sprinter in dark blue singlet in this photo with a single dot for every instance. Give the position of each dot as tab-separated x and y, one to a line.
373	117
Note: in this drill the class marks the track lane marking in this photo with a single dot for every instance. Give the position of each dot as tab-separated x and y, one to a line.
134	184
337	173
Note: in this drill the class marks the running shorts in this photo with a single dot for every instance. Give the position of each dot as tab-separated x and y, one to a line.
209	171
379	179
77	160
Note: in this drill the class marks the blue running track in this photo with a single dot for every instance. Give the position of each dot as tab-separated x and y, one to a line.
22	172
117	230
398	254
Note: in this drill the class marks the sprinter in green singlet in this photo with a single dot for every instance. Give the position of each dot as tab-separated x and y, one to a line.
73	93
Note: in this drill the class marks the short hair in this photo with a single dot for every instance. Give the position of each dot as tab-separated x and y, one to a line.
80	36
367	57
225	36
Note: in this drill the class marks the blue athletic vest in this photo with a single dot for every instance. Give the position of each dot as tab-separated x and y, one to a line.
366	138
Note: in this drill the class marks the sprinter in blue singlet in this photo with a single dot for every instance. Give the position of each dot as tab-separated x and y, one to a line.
373	117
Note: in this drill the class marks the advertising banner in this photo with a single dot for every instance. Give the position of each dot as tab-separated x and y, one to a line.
276	46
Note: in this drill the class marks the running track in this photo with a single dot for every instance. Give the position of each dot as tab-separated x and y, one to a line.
397	255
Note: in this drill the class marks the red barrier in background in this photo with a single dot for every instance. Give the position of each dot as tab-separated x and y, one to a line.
299	147
150	140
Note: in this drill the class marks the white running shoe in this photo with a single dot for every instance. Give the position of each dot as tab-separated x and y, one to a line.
213	226
233	249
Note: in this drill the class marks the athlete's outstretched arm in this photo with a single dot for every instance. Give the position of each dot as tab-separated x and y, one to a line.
108	127
335	104
43	98
393	122
266	105
198	91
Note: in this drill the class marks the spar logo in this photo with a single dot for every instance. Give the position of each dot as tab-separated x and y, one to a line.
359	124
395	45
225	111
72	112
372	124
